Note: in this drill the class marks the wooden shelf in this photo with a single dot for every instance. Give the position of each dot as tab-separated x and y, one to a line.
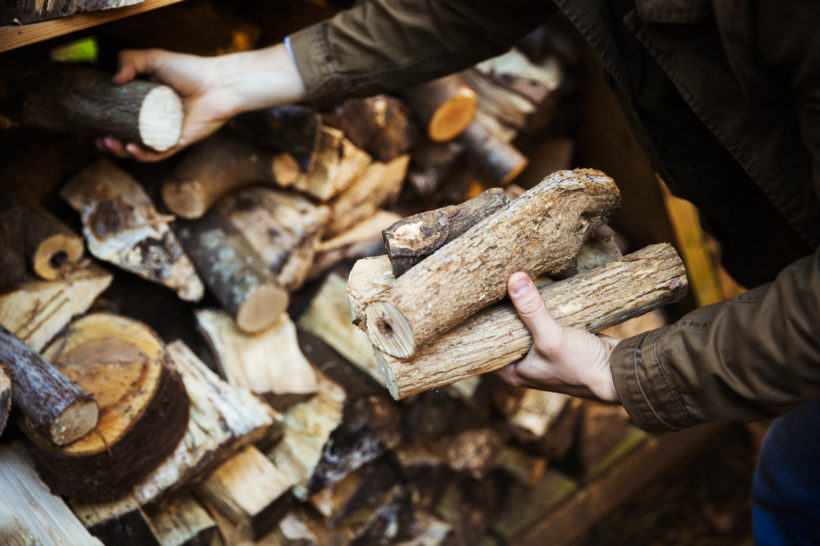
14	36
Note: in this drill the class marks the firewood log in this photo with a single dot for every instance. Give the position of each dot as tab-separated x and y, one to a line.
283	377
12	243
250	491
52	404
380	125
391	523
499	159
52	249
5	397
356	493
184	522
539	233
515	71
120	522
85	101
122	227
233	272
412	239
127	443
469	506
369	278
284	228
445	106
338	163
431	163
223	419
427	530
637	283
500	102
29	512
525	468
32	12
534	413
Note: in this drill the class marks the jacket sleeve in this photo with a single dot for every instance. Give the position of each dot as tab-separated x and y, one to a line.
385	45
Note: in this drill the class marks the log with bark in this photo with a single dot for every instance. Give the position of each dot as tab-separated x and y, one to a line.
593	300
338	163
539	233
31	12
380	125
52	249
536	82
283	377
85	101
493	154
234	272
445	106
12	244
122	521
184	522
431	163
123	364
5	397
500	102
122	227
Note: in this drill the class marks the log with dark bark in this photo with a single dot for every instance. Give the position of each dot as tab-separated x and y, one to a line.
52	249
29	11
431	163
184	522
120	522
412	239
539	233
85	101
536	82
338	163
53	405
494	155
593	300
445	106
123	227
380	125
5	397
143	408
12	244
234	272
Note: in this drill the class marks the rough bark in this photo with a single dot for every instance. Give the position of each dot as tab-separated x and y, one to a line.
539	233
85	101
412	239
493	154
52	249
593	300
5	397
515	71
143	408
380	125
122	227
184	522
30	11
338	163
234	272
431	163
121	522
12	244
445	106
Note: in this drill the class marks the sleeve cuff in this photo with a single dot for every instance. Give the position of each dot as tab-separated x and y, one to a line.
311	53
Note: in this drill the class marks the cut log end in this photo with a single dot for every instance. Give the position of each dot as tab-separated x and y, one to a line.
387	375
185	199
74	422
453	116
261	308
516	169
160	119
286	170
57	255
389	330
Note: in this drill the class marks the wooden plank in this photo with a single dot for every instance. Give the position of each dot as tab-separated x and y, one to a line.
14	36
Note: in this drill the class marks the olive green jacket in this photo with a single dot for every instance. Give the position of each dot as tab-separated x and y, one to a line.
724	96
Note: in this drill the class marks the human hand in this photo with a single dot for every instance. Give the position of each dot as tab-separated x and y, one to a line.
567	360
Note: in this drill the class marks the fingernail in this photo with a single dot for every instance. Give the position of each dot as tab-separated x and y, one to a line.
519	286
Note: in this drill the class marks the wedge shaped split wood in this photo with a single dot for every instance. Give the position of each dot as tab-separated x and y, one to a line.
121	521
445	106
381	125
539	233
184	522
338	163
52	249
122	227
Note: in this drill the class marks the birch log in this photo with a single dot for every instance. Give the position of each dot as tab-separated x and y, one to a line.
539	233
52	249
445	106
5	397
593	300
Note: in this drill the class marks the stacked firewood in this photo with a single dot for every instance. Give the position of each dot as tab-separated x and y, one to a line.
201	376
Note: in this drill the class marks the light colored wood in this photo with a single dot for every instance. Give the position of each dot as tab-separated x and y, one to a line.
338	163
368	278
446	106
539	233
29	512
184	522
427	530
502	103
536	412
269	363
223	419
121	521
592	300
491	151
52	249
473	450
32	12
515	71
122	227
380	125
5	397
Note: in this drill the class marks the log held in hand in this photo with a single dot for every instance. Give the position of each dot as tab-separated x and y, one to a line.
539	233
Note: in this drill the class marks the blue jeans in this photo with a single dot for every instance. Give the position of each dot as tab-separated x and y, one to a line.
786	492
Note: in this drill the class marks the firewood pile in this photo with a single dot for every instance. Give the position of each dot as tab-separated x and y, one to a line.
188	347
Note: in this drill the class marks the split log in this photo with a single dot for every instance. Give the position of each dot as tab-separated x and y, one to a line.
282	377
535	412
121	522
223	419
426	530
391	523
369	278
499	159
338	163
52	404
361	490
412	239
515	71
445	106
380	125
12	244
539	233
593	300
5	397
122	363
431	163
500	102
284	228
32	12
29	512
85	101
184	522
250	491
122	227
474	450
52	249
469	505
234	273
378	185
424	472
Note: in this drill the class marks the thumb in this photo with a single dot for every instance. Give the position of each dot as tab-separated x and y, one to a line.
133	62
527	300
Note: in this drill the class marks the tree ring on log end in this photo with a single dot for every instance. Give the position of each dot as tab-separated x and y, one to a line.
261	308
453	116
57	255
160	119
389	330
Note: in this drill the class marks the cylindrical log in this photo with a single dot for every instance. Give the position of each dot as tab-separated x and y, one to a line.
234	272
83	100
380	125
5	397
431	163
446	106
52	404
12	244
412	239
498	158
593	300
539	233
51	247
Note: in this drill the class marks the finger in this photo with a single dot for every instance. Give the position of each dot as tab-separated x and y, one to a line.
527	300
141	154
509	374
133	62
113	146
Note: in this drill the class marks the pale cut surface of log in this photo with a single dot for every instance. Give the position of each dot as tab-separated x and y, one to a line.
250	491
378	185
223	419
122	227
536	412
269	363
380	125
52	404
338	163
184	522
446	106
212	169
541	232
123	364
120	522
532	81
413	238
35	311
233	271
368	278
85	101
52	249
593	300
283	227
29	512
5	397
500	102
31	11
492	153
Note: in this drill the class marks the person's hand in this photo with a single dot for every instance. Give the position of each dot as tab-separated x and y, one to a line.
567	360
